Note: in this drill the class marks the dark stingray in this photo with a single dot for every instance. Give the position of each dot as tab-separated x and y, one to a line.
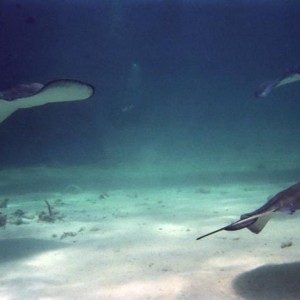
267	87
287	201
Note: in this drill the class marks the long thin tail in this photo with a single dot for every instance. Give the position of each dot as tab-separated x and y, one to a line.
213	232
254	223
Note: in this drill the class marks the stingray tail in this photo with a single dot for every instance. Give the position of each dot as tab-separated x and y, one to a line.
255	223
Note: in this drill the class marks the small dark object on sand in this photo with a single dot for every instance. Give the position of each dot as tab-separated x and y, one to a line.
3	203
3	219
49	208
51	216
19	213
103	195
43	216
286	244
68	234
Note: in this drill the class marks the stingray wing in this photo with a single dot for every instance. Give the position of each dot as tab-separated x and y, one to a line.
61	90
57	91
254	223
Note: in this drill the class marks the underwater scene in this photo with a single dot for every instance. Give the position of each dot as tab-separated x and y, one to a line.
149	149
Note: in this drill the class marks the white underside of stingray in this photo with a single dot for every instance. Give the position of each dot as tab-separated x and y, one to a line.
61	90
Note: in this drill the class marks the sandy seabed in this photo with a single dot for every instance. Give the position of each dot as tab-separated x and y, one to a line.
140	242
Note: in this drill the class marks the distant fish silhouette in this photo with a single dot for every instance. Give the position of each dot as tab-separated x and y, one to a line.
267	87
287	201
36	94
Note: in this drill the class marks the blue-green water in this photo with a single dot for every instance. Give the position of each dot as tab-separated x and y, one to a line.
173	145
174	82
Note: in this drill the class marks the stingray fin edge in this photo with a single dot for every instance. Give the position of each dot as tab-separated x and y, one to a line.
260	223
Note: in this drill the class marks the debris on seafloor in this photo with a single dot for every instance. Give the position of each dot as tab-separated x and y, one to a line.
286	244
202	190
51	215
103	196
20	217
59	202
3	203
3	220
73	189
3	215
17	217
68	234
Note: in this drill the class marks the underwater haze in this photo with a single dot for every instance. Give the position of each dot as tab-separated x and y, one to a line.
173	144
174	81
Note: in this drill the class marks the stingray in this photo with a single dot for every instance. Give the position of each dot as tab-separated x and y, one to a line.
267	87
286	201
37	94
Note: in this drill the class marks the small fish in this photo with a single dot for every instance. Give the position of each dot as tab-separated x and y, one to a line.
267	87
286	201
36	94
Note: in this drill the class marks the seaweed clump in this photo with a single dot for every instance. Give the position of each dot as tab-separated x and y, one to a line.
50	215
3	219
17	217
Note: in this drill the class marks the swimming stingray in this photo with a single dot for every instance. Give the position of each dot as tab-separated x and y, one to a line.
267	87
287	201
36	94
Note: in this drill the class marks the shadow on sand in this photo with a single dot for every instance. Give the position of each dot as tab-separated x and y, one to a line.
270	282
14	249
